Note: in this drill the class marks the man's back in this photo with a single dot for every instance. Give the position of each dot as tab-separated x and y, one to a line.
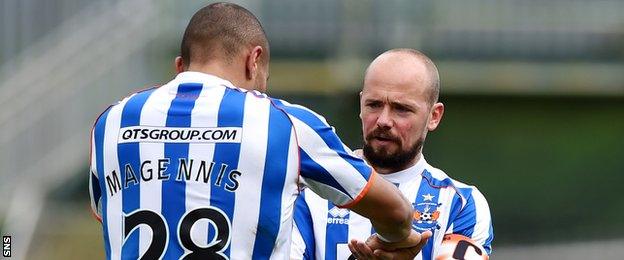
184	168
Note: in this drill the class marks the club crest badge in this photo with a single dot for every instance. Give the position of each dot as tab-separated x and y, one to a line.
426	214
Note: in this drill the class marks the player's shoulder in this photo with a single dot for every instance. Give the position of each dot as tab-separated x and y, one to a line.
439	179
300	112
121	103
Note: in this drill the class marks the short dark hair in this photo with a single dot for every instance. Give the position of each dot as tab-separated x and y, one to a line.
220	30
434	87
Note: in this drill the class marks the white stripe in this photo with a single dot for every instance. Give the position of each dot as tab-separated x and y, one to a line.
437	173
410	191
445	196
321	118
481	230
318	209
204	114
150	190
93	173
461	185
93	166
298	245
410	188
289	195
114	203
359	228
251	165
342	171
419	257
318	187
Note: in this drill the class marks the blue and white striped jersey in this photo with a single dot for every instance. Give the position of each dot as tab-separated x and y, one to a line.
198	168
441	204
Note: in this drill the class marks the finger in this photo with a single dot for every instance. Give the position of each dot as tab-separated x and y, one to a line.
406	252
364	250
413	251
353	250
383	255
423	241
375	243
412	240
426	235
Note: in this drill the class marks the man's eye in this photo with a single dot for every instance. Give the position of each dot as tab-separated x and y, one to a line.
373	105
402	109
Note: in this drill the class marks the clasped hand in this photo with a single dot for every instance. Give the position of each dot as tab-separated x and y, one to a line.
375	248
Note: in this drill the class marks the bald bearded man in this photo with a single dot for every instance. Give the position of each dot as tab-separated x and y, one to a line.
398	107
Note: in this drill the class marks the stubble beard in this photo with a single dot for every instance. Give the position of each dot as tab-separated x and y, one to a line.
393	161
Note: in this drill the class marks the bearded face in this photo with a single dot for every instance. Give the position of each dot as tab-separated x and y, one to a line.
384	150
398	106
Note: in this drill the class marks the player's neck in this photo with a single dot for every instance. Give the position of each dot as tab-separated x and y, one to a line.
227	71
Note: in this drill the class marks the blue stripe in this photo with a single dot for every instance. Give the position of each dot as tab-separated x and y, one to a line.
230	115
467	219
128	153
328	135
275	169
98	135
303	220
317	173
456	208
173	192
426	189
446	182
488	242
335	233
97	193
464	219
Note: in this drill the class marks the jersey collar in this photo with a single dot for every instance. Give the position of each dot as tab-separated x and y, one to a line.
207	80
407	174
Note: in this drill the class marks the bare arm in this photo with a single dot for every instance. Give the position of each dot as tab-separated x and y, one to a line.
389	212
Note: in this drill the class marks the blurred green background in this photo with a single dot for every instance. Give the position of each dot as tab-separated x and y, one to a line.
533	91
549	166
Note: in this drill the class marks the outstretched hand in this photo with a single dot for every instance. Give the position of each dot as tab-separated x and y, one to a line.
375	248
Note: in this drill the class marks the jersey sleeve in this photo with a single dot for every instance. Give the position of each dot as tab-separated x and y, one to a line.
95	192
327	166
303	243
474	220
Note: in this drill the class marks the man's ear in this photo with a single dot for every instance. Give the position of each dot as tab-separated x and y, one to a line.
437	111
251	66
178	63
360	115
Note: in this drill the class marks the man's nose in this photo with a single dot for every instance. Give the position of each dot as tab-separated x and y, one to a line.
385	118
